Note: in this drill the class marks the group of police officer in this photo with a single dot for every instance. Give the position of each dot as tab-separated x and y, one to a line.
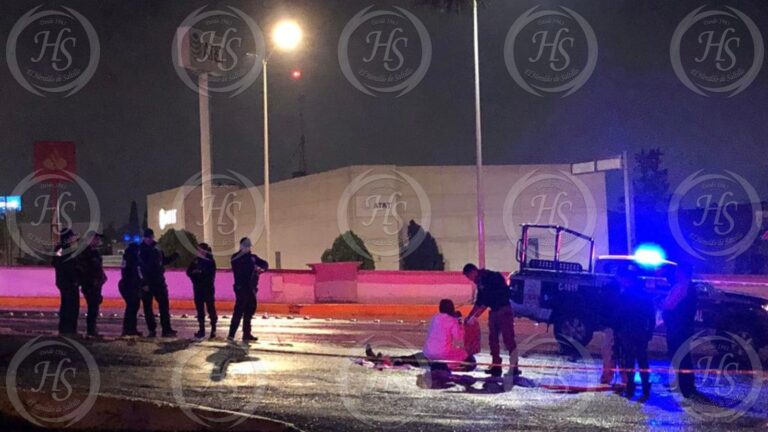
78	265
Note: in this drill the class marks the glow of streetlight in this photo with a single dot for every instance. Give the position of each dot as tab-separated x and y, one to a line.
287	35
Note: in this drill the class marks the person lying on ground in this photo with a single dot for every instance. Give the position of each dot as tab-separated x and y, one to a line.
442	347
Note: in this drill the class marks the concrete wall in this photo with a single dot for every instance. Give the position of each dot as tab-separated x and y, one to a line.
377	202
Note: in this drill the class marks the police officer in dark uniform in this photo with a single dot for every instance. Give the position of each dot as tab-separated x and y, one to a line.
679	314
92	278
65	266
246	268
202	273
634	322
493	293
152	262
130	289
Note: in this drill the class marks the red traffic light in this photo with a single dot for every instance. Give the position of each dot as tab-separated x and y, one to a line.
296	74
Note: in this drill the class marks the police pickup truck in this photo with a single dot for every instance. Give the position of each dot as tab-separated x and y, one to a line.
576	301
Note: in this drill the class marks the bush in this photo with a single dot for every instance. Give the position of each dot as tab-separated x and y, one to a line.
178	241
343	251
425	255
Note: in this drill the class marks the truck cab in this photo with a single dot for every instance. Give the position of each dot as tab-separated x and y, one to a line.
577	300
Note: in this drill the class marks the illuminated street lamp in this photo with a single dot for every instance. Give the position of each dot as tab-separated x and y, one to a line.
286	36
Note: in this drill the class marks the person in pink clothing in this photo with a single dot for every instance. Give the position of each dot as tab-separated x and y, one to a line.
442	347
445	335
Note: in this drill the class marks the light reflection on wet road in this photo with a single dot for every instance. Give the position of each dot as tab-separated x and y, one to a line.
331	393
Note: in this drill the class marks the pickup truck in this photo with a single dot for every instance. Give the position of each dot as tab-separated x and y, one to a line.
574	299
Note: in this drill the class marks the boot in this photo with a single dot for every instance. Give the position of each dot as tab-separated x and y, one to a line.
201	332
646	387
213	331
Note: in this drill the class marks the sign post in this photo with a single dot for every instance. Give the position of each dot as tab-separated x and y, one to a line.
55	162
199	58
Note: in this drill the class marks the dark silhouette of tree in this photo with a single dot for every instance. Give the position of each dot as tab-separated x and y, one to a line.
422	256
178	241
343	250
651	181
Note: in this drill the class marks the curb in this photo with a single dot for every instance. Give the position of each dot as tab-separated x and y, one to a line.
334	310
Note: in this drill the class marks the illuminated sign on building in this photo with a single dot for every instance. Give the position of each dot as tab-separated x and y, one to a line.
167	217
10	204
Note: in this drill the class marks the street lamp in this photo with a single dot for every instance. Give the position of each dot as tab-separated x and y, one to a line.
286	36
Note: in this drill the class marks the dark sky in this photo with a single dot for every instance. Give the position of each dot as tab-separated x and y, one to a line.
136	123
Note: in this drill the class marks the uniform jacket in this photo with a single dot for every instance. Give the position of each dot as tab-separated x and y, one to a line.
152	262
202	272
130	271
90	267
245	270
65	266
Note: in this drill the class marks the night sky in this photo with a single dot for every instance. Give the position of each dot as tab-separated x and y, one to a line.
136	123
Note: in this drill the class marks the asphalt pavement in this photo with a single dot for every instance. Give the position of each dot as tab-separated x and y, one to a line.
306	372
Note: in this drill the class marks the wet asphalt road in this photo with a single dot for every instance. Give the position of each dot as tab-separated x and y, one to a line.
300	372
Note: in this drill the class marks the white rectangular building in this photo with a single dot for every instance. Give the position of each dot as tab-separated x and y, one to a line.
377	202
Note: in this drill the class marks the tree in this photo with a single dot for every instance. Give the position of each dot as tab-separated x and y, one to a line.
651	181
425	255
348	248
179	241
651	195
131	229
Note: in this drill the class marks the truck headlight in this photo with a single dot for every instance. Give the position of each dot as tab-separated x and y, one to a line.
765	307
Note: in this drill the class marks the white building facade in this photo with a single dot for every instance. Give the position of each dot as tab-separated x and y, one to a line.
377	202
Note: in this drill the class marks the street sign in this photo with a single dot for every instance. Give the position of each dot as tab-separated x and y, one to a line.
198	51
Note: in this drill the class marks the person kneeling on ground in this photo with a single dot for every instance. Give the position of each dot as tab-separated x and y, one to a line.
442	347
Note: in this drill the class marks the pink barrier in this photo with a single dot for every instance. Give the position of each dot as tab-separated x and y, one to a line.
40	282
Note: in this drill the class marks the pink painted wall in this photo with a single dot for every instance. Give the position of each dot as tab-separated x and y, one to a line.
298	286
40	282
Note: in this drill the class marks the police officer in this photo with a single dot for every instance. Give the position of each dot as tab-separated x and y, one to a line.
634	322
152	262
679	314
246	268
67	282
92	278
202	273
130	288
493	293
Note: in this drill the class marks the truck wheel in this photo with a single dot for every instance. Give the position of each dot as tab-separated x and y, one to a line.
572	328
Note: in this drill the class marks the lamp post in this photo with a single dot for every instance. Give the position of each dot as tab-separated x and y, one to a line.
286	36
478	145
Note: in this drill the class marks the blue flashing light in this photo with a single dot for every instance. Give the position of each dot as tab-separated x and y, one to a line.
127	238
650	255
136	239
